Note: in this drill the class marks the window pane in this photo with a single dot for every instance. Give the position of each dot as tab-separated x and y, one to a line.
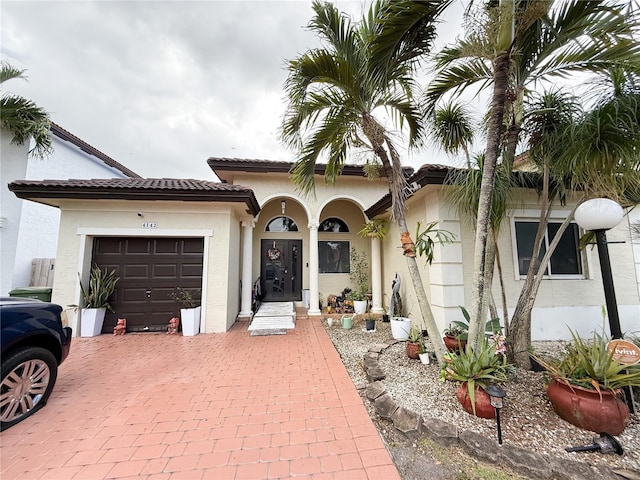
565	259
333	257
333	225
525	236
282	224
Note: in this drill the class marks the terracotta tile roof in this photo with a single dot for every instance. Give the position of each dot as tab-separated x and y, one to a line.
221	164
176	189
63	134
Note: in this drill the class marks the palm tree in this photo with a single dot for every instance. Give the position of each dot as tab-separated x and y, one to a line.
337	93
22	117
533	43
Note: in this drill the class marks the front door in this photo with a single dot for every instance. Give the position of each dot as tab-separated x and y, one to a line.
281	270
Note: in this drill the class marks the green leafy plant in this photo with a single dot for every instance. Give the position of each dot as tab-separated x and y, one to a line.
359	276
101	285
415	336
460	328
374	228
475	368
424	240
591	365
186	298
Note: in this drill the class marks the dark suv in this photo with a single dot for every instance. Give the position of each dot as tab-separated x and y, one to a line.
34	342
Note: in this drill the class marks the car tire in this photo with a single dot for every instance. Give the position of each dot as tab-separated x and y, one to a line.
28	377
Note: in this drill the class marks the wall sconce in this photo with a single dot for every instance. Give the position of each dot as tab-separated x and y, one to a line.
283	205
496	396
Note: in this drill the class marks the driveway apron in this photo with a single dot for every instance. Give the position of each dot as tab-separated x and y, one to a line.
213	406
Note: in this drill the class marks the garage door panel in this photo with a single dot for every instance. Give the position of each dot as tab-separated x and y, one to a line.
133	246
149	270
136	271
169	270
191	270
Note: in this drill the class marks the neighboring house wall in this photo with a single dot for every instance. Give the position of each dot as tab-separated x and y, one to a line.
12	165
39	223
217	223
634	219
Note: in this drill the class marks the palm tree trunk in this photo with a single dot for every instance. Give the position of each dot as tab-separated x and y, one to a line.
393	171
479	306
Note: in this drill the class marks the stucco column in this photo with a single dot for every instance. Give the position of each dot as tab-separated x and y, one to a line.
376	276
247	262
313	269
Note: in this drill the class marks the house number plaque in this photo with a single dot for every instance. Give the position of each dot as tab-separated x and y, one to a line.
149	225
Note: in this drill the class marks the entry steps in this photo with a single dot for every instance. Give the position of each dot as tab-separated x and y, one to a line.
274	316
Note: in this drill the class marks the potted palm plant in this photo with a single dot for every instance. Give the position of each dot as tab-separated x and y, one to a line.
189	300
101	286
474	370
585	385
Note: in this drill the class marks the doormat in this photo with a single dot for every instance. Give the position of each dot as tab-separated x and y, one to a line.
268	331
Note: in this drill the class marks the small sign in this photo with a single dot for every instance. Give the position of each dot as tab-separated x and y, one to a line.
624	351
149	225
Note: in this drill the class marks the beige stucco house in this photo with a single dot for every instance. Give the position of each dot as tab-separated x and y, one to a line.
223	236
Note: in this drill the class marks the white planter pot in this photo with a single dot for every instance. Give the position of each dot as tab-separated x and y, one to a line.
424	358
400	327
190	319
91	320
360	306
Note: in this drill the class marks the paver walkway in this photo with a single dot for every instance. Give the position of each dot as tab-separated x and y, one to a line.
215	406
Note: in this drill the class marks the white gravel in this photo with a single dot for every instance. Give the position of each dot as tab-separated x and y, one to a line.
528	420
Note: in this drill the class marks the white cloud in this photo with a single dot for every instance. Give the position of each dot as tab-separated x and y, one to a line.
160	86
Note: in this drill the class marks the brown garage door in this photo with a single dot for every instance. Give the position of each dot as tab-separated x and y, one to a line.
149	270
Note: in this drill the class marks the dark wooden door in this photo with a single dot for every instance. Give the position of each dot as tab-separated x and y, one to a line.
281	270
149	270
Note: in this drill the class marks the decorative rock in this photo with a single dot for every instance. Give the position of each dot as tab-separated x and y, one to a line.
378	347
375	373
408	422
569	470
372	355
441	432
370	362
526	462
385	406
479	446
374	390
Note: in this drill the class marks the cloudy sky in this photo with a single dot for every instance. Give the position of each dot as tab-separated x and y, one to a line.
160	86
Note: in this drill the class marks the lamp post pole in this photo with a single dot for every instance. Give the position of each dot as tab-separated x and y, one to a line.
607	281
599	215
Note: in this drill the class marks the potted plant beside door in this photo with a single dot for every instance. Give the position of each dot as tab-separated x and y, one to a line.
359	275
189	300
96	300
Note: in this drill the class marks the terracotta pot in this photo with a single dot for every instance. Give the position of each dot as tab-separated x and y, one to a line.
412	349
484	409
588	409
453	344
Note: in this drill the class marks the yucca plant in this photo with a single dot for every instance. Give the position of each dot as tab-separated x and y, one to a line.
101	285
476	368
591	365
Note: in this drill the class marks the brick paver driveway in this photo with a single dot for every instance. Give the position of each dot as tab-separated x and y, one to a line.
219	406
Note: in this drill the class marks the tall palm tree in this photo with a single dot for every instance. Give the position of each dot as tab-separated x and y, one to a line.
534	42
338	93
22	117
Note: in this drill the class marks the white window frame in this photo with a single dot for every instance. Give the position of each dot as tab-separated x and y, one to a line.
533	216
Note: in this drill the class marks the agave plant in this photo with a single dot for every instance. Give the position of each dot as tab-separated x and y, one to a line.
101	285
591	365
476	368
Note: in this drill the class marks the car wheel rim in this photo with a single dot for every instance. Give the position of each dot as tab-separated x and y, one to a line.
23	388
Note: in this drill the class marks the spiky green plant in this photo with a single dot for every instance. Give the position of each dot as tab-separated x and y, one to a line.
591	365
476	368
101	285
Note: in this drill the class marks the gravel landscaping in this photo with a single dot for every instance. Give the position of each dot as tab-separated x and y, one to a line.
528	420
